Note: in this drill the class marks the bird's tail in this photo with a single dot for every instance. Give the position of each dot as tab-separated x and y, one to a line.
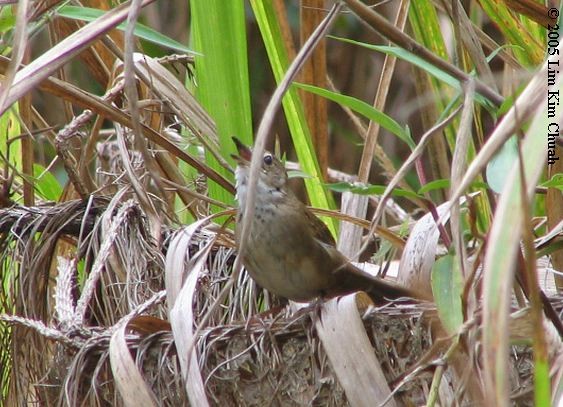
379	290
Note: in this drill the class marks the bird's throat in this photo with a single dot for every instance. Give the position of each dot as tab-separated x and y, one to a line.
265	196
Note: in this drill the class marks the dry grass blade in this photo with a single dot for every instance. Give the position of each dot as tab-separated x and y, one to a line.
94	276
466	35
77	214
314	72
176	257
388	30
351	234
139	143
41	328
506	232
182	104
459	160
41	68
181	101
383	87
81	98
182	321
128	377
388	234
349	350
525	106
18	52
420	251
181	313
404	169
129	380
64	304
135	182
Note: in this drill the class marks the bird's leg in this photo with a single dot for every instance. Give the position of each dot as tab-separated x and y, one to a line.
260	318
314	308
317	310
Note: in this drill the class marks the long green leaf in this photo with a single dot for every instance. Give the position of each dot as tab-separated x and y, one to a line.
370	190
426	28
219	35
447	287
364	109
142	31
273	40
531	51
46	184
503	245
434	71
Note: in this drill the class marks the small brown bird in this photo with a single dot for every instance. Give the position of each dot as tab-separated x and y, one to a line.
290	252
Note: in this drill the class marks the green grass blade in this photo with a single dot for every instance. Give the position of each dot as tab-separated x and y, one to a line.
371	190
364	109
426	29
89	14
447	287
219	35
432	70
46	184
531	51
279	61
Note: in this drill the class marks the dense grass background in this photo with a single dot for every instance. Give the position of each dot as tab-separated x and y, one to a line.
423	121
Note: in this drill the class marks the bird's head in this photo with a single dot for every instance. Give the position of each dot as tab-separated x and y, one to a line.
272	178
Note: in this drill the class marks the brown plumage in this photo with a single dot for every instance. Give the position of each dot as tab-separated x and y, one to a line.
290	251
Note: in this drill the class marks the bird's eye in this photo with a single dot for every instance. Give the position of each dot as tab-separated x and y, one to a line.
268	159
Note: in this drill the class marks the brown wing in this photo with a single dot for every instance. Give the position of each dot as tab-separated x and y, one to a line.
320	230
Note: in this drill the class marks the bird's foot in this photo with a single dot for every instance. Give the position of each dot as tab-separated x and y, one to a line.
260	319
314	309
317	310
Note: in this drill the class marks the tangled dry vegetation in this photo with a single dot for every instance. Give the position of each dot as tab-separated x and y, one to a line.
73	348
109	298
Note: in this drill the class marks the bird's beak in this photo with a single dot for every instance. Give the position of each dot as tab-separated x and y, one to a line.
244	153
